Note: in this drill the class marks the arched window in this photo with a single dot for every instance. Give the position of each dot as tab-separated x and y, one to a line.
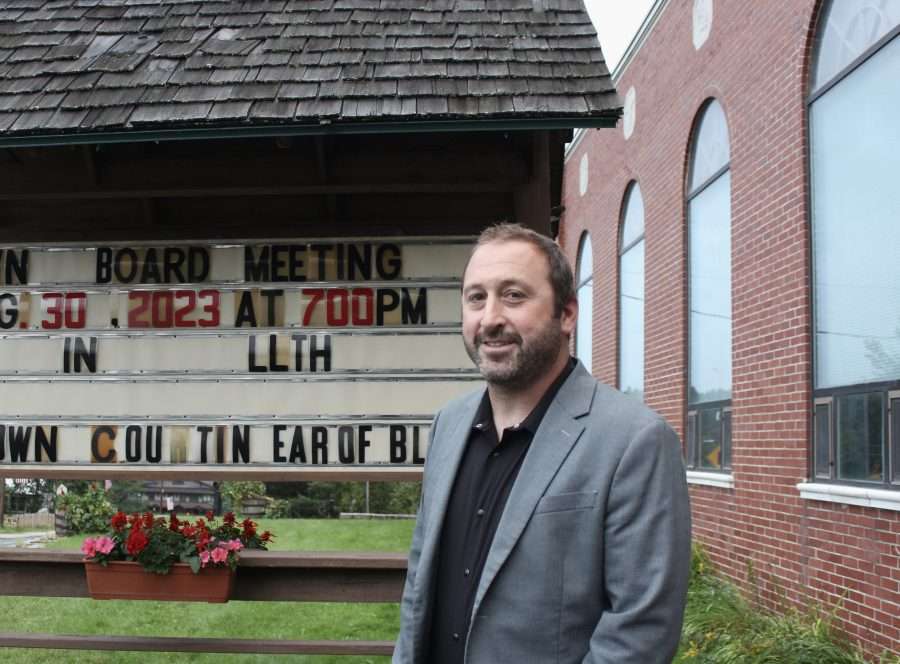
585	291
854	131
709	293
631	294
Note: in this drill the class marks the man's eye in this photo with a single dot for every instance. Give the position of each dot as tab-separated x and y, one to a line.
514	295
474	298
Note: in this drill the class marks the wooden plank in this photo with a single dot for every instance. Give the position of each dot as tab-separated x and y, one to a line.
261	576
177	644
498	185
220	473
300	559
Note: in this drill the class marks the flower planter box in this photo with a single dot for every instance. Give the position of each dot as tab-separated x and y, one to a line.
128	580
254	507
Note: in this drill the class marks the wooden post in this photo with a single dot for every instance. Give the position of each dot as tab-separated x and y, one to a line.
2	500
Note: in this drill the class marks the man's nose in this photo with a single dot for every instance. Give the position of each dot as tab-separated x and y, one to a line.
493	313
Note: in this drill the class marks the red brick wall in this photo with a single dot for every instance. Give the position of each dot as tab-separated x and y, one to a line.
761	534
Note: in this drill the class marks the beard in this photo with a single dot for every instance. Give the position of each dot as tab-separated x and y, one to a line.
530	359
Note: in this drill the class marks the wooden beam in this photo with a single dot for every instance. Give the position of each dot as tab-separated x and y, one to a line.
90	163
532	200
195	644
261	576
322	161
148	206
225	473
493	186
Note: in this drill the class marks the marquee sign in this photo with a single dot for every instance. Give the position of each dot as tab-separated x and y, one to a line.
370	306
290	352
285	444
258	354
282	261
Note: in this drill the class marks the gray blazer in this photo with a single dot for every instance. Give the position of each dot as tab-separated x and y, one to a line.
591	557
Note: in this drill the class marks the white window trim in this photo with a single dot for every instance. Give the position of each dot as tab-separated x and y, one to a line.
851	495
718	480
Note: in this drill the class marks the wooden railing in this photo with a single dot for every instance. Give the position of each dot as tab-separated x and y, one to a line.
261	576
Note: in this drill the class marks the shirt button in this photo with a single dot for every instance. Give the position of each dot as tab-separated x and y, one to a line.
480	512
495	454
455	636
467	572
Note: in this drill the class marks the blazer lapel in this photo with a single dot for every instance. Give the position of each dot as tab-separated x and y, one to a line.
557	433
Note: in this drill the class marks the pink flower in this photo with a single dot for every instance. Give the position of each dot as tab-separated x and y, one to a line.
219	555
104	545
234	545
204	558
89	547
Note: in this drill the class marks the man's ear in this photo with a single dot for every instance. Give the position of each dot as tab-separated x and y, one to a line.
568	317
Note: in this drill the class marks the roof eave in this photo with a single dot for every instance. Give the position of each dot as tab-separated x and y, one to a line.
606	119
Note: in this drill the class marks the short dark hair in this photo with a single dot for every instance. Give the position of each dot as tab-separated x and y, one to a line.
561	279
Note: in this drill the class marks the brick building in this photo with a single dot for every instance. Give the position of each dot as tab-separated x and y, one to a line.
732	239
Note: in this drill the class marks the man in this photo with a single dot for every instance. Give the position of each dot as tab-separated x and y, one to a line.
554	524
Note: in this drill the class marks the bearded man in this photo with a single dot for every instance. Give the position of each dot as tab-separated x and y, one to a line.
554	524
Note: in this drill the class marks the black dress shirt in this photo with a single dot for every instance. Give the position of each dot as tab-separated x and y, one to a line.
487	471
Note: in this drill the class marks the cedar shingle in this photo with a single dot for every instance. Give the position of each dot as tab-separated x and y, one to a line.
229	110
171	112
273	110
107	117
84	64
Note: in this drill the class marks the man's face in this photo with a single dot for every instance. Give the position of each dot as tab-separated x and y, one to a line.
509	327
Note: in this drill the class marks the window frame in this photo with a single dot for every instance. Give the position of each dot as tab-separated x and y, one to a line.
623	249
725	412
890	450
579	284
889	390
695	411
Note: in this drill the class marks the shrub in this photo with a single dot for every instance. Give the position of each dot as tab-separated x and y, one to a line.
721	627
238	491
300	507
89	512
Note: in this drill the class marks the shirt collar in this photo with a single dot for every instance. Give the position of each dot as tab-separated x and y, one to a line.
484	416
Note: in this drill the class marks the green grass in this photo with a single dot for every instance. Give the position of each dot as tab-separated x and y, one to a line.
257	620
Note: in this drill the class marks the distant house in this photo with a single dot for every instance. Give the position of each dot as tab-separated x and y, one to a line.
187	496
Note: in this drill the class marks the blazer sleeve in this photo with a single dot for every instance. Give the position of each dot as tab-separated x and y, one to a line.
647	551
404	652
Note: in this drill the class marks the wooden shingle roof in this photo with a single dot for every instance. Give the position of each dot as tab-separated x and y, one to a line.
89	66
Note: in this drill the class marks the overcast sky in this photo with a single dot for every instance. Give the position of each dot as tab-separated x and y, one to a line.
617	22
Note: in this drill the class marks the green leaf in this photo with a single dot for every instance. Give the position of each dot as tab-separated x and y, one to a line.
194	562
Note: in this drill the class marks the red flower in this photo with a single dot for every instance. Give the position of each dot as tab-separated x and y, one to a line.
266	536
119	521
209	515
174	523
229	518
148	520
137	541
249	528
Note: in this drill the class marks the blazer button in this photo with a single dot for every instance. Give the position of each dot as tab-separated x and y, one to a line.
455	636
